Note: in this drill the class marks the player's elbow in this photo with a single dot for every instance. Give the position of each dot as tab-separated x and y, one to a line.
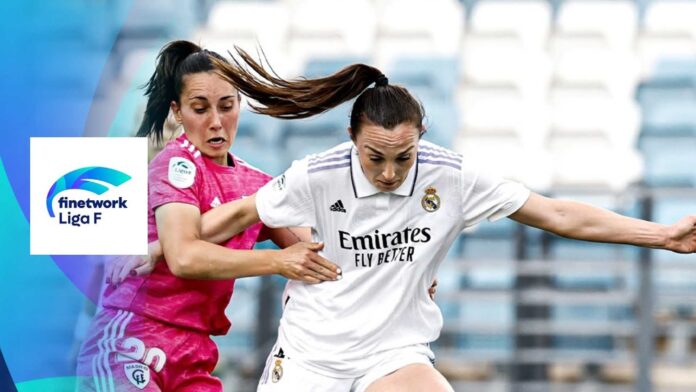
181	264
568	221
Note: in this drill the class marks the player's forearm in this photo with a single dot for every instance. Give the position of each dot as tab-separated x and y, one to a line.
202	260
288	236
585	222
229	219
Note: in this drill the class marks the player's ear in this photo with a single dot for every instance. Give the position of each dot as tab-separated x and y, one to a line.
350	133
176	110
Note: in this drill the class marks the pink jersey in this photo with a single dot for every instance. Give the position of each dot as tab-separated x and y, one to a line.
180	174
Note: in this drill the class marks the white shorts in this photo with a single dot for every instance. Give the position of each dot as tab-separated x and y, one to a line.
284	374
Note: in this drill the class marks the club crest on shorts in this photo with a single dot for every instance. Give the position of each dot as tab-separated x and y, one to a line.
277	372
138	374
431	201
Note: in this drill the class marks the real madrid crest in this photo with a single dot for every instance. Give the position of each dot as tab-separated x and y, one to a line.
277	372
431	201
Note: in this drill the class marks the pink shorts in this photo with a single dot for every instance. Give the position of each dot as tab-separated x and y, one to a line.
127	352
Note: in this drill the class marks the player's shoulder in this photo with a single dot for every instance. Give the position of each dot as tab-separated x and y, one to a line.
434	156
179	162
179	150
251	170
335	158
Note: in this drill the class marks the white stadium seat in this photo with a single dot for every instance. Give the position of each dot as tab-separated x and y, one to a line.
412	27
580	62
614	22
587	112
500	61
325	28
668	32
506	156
528	21
248	24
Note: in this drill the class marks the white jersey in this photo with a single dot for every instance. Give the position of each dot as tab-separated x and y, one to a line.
388	244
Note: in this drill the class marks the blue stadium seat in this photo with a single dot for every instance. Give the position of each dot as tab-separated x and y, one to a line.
297	146
492	342
266	157
669	160
441	116
319	67
438	75
265	129
158	18
678	71
667	106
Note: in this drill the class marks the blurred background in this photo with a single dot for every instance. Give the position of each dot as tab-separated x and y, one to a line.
593	100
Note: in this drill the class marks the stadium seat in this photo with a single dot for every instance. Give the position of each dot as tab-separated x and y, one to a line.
438	75
669	161
330	28
441	116
265	157
412	27
503	61
481	109
579	62
155	19
322	66
297	145
505	156
671	17
668	32
613	22
266	129
594	112
265	21
667	104
333	123
527	21
251	25
585	120
592	160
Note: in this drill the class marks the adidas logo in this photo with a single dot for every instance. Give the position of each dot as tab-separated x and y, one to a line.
338	207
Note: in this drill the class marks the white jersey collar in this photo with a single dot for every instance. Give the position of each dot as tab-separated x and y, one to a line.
362	186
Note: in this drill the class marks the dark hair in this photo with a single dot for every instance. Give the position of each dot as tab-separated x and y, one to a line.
176	60
384	104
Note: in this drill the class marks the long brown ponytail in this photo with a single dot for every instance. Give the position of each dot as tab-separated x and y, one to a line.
384	104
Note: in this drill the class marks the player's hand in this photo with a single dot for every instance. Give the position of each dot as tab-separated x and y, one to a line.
118	268
302	262
433	289
681	237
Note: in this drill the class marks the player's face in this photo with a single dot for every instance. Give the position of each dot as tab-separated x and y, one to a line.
209	112
385	155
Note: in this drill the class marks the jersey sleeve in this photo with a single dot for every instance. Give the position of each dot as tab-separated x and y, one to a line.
174	179
287	200
489	197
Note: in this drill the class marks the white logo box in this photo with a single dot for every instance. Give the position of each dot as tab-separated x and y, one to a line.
97	172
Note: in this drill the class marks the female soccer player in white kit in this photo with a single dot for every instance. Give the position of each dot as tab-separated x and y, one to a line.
387	207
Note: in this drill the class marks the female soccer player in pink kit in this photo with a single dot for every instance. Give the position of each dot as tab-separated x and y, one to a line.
153	332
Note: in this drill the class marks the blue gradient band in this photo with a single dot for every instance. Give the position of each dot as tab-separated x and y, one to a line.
56	54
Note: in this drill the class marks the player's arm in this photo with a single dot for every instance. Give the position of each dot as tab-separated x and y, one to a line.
286	236
188	256
582	221
229	219
217	225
